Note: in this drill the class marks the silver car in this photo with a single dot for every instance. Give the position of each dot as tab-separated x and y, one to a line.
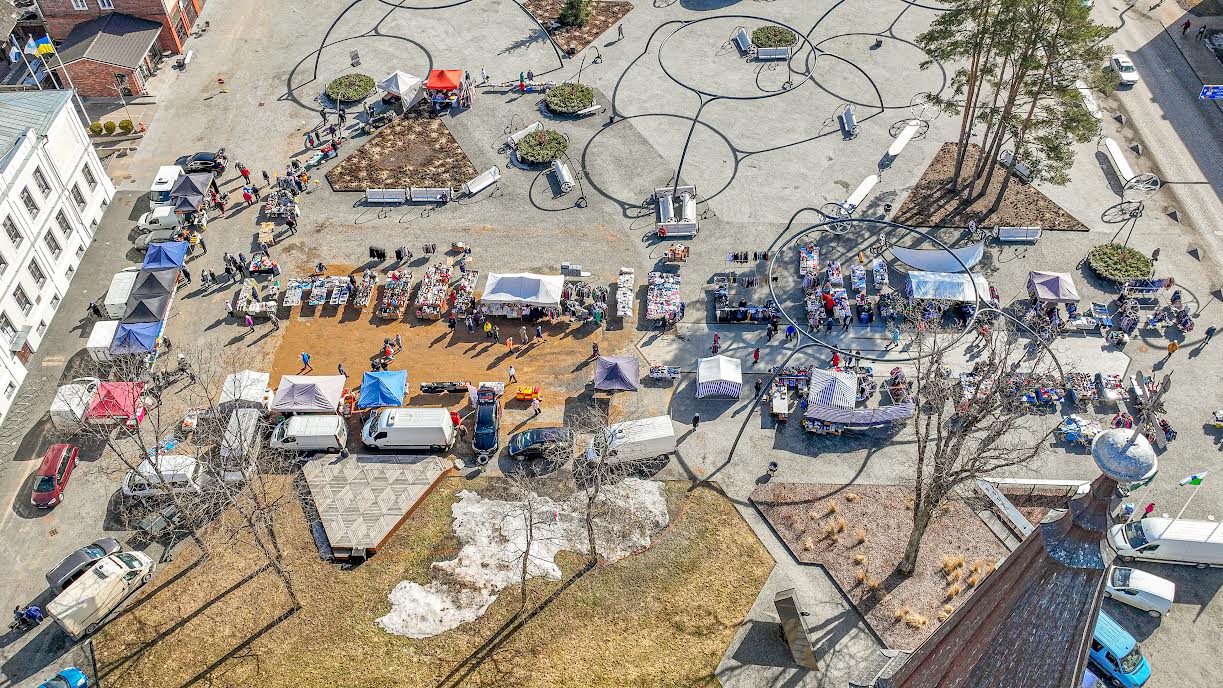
77	563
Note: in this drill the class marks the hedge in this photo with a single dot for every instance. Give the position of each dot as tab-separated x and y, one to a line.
567	99
95	128
109	128
542	146
350	87
1117	263
773	37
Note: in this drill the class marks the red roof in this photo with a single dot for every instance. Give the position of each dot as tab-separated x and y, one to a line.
444	79
115	400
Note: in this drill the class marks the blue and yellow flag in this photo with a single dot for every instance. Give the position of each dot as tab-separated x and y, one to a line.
44	46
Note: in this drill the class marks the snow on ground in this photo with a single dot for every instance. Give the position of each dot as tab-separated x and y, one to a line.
493	535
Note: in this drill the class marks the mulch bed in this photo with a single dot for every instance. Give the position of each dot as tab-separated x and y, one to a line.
931	203
415	150
574	39
903	611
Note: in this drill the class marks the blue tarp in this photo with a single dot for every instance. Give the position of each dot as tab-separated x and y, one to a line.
135	338
165	256
383	388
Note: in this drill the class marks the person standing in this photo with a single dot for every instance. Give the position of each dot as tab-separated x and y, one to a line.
1150	509
483	76
1185	27
594	350
267	180
306	362
322	113
203	246
451	322
791	332
274	320
696	420
229	272
398	343
488	330
513	374
756	356
535	406
291	223
619	32
1172	347
246	196
895	337
1210	332
471	325
186	274
250	324
522	334
836	360
539	332
246	173
509	344
340	367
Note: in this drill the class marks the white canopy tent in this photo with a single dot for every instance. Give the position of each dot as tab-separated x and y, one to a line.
720	376
245	388
940	260
523	289
403	85
309	393
947	286
1052	287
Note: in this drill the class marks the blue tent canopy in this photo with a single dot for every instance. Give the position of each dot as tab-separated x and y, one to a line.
135	338
383	388
165	256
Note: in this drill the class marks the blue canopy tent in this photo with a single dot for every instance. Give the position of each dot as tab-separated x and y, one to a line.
383	388
167	255
135	338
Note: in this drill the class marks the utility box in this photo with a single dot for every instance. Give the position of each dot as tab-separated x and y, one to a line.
789	610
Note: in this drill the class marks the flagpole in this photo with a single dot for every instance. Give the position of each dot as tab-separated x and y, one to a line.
26	60
1186	506
76	94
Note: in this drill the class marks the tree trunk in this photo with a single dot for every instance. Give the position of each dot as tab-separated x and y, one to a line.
526	556
922	511
982	52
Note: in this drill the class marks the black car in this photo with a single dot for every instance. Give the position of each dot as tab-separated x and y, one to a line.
77	563
204	162
554	443
488	423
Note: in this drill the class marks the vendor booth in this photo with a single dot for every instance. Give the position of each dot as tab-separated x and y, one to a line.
403	86
154	283
719	376
245	389
832	399
168	255
100	337
513	295
940	259
383	388
135	338
947	286
189	193
147	309
617	373
116	402
1052	287
447	88
309	393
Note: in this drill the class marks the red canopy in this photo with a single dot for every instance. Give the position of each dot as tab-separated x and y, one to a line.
115	400
444	79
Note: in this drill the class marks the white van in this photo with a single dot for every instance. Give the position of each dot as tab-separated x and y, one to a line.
1172	541
633	440
121	286
409	428
71	402
161	217
159	192
240	444
311	432
84	604
178	474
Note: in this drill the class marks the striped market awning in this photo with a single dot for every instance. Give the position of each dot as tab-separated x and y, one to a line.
832	389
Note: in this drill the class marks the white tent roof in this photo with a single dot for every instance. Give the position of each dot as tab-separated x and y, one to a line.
948	286
102	335
717	368
524	288
305	393
1053	287
244	386
940	260
400	83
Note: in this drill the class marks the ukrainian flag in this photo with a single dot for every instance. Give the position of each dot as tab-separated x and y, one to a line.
44	46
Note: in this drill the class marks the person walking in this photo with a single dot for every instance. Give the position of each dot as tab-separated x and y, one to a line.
274	320
291	223
340	367
791	332
895	337
306	363
451	322
471	325
229	307
619	32
509	344
539	332
696	420
221	203
535	406
594	350
1185	27
250	324
267	180
1210	332
836	360
483	76
322	113
246	173
1150	509
186	274
250	200
1172	347
203	246
513	374
229	273
496	333
522	335
756	356
982	333
488	330
398	343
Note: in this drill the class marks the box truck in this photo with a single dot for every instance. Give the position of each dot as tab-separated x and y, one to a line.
633	440
71	402
121	286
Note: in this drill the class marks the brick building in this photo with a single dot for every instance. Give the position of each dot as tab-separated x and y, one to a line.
110	56
176	17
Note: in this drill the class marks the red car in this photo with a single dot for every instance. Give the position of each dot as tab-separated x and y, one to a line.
52	475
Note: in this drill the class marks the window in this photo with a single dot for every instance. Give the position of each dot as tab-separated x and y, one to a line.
10	390
40	278
41	181
14	234
80	250
52	245
78	196
42	326
65	227
30	204
55	301
106	4
91	180
71	271
23	301
3	265
6	327
79	5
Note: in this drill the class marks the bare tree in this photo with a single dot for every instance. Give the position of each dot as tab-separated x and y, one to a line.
973	425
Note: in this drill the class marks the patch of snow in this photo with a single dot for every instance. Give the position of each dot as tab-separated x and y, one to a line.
493	534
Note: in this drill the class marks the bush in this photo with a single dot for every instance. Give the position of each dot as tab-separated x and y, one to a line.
542	146
109	127
575	13
1117	263
567	99
95	128
773	37
350	87
126	126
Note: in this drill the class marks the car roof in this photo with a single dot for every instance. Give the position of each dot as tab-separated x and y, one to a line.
1152	584
204	155
1110	634
170	464
50	460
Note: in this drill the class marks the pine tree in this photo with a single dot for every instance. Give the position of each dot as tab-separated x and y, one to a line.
575	13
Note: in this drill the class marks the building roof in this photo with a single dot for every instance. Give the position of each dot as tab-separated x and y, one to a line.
24	110
116	38
9	14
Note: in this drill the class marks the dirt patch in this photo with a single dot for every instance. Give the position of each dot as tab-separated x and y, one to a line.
574	39
903	611
932	204
661	617
415	150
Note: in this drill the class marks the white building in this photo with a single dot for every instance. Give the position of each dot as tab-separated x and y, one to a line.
53	192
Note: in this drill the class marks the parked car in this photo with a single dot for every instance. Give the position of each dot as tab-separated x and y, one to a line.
156	236
204	162
1169	541
71	677
1124	67
541	442
83	606
488	425
52	475
76	564
1117	655
1140	590
159	218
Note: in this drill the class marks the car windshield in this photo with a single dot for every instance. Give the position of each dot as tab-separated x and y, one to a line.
128	560
57	682
1121	578
1125	67
160	196
1131	662
521	441
45	483
93	551
1135	536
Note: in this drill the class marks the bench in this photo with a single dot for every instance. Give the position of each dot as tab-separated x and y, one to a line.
428	195
482	181
906	135
1089	101
593	109
522	133
855	199
1019	234
564	178
1124	171
848	122
741	40
782	53
395	196
1007	158
1013	516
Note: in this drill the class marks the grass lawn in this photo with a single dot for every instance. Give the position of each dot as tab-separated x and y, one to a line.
660	618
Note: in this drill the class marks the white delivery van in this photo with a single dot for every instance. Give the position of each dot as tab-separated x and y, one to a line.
178	473
84	604
121	286
409	428
100	338
71	402
162	217
240	444
633	440
311	432
159	192
1172	541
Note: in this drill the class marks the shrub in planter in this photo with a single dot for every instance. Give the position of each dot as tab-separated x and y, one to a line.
1118	263
575	13
542	146
109	127
773	37
567	99
350	87
95	128
126	126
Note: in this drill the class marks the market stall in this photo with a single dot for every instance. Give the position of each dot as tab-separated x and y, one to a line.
279	202
463	293
833	397
309	393
719	376
1052	287
116	402
382	388
448	88
405	88
189	194
167	255
364	288
154	283
515	295
136	338
245	389
617	373
395	294
663	299
431	295
146	309
947	286
624	292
